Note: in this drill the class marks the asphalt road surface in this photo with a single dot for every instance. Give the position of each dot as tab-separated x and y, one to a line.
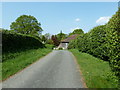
56	70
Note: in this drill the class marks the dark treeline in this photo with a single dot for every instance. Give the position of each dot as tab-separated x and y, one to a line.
103	42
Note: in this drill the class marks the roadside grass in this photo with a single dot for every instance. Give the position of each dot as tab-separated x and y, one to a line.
12	66
96	72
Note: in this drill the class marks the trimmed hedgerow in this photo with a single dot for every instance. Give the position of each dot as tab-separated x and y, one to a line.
13	42
103	42
113	42
93	42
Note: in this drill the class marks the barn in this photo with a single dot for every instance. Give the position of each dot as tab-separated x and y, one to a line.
64	43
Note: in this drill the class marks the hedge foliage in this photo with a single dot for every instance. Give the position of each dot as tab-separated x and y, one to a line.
13	42
113	42
103	42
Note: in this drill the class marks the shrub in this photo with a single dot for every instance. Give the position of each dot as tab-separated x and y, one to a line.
50	46
60	49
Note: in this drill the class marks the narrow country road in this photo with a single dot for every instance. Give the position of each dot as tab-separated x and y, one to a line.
56	70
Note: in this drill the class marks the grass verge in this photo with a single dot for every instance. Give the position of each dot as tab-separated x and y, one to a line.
12	66
97	73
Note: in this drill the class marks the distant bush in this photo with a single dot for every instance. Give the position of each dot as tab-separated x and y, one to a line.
50	46
60	49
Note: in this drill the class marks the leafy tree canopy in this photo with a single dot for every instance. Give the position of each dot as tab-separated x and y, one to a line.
61	36
55	40
47	35
44	39
77	31
26	24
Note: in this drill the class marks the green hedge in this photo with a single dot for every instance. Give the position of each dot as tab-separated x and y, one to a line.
103	42
49	46
13	42
113	42
93	42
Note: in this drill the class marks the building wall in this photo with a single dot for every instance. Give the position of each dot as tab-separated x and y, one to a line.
63	45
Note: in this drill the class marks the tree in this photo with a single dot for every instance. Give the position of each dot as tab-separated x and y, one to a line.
48	38
55	40
61	36
26	24
77	31
44	39
47	35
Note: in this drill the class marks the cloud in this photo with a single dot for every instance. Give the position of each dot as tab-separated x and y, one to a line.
103	20
77	19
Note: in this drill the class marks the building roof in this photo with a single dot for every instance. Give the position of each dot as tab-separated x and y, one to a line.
72	37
